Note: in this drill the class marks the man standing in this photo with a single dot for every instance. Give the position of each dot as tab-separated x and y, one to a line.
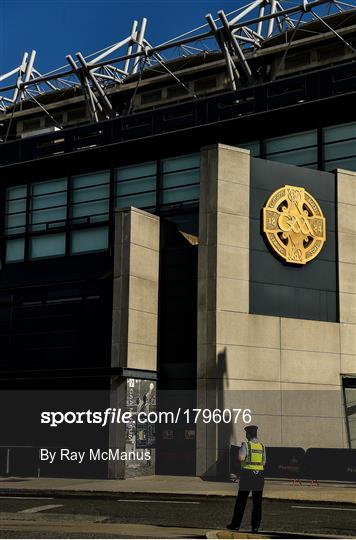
252	456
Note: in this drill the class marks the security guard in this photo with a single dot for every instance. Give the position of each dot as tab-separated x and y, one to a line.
252	456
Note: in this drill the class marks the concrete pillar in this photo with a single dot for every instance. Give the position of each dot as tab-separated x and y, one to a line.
135	308
135	296
346	214
223	283
346	206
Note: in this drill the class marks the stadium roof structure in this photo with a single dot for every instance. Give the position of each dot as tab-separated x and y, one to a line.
236	36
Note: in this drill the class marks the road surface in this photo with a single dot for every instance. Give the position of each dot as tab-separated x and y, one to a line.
143	516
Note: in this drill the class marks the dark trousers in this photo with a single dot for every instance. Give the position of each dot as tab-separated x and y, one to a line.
249	481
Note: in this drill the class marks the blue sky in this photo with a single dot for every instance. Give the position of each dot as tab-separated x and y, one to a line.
55	28
58	27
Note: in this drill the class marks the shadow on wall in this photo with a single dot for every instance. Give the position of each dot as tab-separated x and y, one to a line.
220	432
224	431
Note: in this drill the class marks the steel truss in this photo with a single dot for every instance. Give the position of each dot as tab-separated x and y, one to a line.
234	34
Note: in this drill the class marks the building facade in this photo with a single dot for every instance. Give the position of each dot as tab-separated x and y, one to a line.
136	270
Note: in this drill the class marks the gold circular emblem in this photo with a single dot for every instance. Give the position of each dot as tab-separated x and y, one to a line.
294	224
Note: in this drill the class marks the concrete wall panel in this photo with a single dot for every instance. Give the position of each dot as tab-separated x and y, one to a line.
348	364
251	363
250	330
346	187
348	338
313	400
310	367
306	335
309	432
287	370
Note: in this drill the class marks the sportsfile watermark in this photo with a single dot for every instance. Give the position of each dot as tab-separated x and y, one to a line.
121	416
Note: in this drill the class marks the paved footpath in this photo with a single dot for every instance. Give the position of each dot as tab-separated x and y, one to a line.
229	535
305	490
69	526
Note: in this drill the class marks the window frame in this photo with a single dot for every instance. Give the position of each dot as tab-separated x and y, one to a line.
329	144
69	225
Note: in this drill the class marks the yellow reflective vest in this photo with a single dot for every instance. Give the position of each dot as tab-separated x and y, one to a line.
254	457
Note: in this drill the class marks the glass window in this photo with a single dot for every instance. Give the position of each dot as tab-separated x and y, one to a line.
51	245
88	240
15	250
91	197
291	142
297	157
16	210
254	147
350	406
342	131
183	194
339	149
296	149
48	204
136	185
348	164
39	210
180	179
180	162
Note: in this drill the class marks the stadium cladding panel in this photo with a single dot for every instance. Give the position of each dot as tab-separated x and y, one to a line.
184	237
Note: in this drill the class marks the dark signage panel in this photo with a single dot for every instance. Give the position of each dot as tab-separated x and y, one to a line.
279	288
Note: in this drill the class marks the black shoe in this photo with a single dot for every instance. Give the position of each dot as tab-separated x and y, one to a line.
255	531
232	528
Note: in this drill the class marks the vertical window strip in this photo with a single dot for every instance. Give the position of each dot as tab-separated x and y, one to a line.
89	240
15	250
180	180
90	197
136	185
48	205
339	147
47	246
47	212
295	149
15	218
15	223
253	146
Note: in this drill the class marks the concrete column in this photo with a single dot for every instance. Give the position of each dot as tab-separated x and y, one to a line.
223	281
135	295
346	213
135	310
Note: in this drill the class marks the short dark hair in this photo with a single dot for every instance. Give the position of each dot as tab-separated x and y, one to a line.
251	431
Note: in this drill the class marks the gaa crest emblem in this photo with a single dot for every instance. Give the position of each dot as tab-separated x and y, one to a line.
294	224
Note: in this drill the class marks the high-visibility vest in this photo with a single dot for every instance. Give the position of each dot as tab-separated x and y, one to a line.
254	458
